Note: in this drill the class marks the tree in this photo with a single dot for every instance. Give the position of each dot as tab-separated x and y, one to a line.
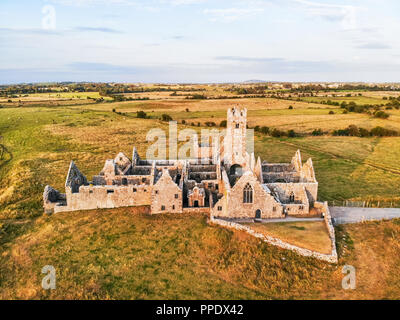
353	130
277	133
264	130
364	132
317	132
166	117
381	115
141	115
292	134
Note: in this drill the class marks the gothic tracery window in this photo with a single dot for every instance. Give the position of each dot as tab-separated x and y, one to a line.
248	194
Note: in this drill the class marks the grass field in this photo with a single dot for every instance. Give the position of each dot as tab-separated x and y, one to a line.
54	96
304	118
357	99
127	254
43	140
308	235
172	253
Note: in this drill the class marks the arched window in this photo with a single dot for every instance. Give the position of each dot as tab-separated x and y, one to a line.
237	125
248	194
291	199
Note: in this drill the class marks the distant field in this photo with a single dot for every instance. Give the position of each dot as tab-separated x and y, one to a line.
53	99
357	99
304	118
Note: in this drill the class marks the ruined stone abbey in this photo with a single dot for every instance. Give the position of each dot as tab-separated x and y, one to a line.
229	183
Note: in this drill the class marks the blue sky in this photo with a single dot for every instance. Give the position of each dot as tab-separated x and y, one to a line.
199	40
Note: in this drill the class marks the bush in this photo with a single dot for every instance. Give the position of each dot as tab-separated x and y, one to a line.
264	130
223	124
341	132
198	97
364	133
317	132
353	130
166	117
141	115
210	124
382	132
351	106
331	112
291	108
183	121
381	115
277	133
292	134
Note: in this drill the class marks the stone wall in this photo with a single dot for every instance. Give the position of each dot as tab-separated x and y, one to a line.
331	258
204	210
329	224
105	197
285	189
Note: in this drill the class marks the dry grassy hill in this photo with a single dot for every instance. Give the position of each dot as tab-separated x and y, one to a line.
128	254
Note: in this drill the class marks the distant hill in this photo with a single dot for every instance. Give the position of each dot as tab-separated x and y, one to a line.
254	81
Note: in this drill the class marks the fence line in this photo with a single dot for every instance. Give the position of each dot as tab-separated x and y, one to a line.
365	204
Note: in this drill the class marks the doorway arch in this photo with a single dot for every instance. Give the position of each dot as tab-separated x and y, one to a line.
258	214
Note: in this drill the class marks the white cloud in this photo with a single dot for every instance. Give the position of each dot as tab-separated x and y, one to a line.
87	3
231	14
346	14
182	2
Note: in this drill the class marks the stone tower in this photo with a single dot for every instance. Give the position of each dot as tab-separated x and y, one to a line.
235	140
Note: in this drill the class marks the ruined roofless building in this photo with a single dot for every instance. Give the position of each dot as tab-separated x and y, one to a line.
229	184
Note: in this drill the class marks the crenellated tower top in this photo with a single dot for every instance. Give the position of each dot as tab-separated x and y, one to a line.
237	118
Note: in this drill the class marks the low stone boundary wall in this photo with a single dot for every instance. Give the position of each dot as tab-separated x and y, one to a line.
331	229
196	210
331	258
